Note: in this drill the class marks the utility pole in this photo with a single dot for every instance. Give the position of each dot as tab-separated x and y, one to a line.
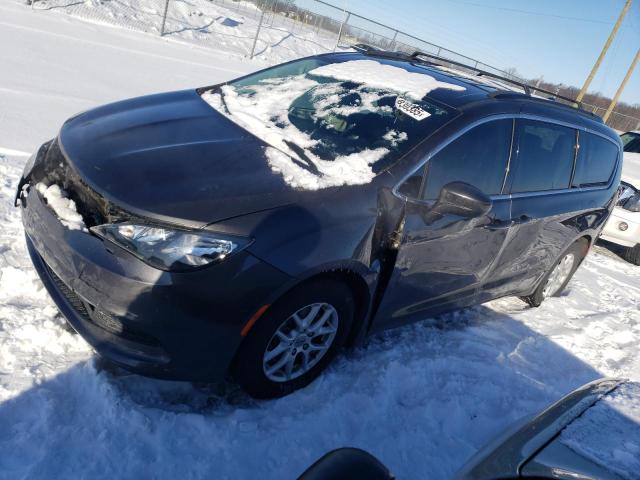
622	85
595	68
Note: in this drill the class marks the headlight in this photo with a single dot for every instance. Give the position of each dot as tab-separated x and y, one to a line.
171	249
633	203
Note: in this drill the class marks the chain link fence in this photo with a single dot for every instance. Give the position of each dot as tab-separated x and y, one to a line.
271	30
617	120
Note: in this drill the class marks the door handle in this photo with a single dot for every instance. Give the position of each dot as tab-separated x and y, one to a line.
499	224
522	219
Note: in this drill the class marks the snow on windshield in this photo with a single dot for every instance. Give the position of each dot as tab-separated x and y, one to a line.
609	432
307	118
351	169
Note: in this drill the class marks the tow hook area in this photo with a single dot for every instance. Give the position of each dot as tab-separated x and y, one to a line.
21	192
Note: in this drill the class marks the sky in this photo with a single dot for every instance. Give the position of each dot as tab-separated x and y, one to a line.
558	39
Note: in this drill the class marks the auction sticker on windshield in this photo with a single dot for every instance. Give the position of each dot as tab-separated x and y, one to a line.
411	109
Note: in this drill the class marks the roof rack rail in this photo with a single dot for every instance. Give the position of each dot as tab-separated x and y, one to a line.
368	49
363	47
526	87
435	60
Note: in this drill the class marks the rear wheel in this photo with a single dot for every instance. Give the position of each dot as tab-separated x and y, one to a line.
632	254
556	280
296	339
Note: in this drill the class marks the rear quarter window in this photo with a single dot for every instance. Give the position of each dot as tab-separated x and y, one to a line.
596	160
545	156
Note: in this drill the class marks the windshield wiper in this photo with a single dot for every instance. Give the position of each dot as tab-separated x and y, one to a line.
299	151
218	90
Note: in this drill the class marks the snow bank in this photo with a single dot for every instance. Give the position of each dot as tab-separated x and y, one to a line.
64	207
386	77
609	432
223	25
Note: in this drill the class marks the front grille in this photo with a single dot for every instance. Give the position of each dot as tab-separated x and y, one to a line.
73	299
97	317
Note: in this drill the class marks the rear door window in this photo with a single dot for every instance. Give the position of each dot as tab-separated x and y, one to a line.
545	157
478	157
631	142
596	160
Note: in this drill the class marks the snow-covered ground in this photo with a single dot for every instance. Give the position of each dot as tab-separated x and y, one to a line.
422	398
227	24
53	66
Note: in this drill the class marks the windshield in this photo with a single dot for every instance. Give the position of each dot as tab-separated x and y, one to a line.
347	119
631	142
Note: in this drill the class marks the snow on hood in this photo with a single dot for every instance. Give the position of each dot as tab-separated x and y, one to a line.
64	207
387	77
609	432
264	111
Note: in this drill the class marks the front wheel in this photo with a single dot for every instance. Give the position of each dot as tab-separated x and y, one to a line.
632	254
559	275
296	339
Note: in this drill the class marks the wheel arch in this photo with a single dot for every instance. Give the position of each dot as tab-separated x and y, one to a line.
361	295
357	277
361	281
585	237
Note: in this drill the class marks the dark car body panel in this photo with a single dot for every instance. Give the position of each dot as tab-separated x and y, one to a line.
180	322
556	460
508	456
172	159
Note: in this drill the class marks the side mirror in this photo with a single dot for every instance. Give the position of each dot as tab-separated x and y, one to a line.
633	203
462	200
347	464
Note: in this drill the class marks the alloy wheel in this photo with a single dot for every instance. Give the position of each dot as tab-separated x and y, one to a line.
300	342
559	275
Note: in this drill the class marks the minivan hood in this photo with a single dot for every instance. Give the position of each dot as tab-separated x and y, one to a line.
173	158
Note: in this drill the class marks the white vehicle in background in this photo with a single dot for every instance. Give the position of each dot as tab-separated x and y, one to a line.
623	226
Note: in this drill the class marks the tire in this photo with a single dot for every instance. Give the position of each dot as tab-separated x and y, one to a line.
273	334
577	251
632	254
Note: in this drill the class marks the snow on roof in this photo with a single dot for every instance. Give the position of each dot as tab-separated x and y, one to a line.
377	75
479	79
609	432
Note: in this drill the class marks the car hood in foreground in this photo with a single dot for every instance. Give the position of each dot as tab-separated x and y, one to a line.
506	455
173	158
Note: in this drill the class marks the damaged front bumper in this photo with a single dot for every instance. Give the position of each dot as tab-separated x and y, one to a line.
183	326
